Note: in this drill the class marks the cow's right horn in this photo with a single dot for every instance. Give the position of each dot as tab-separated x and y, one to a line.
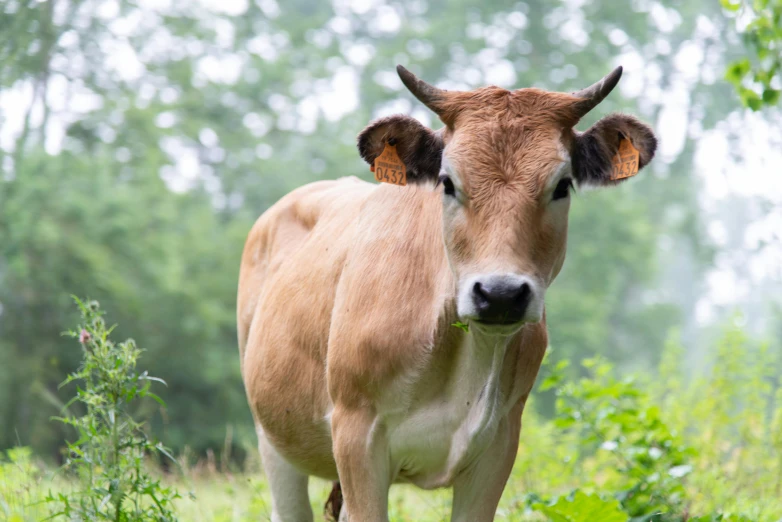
428	94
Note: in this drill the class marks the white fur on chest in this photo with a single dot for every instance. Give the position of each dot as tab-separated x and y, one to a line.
432	441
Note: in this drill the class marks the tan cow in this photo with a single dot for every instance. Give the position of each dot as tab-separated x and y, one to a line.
349	291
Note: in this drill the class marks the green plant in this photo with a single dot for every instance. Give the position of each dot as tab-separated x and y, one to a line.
580	507
754	79
624	442
109	458
461	326
21	479
731	413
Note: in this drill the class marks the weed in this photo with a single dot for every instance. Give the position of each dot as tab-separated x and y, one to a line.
109	459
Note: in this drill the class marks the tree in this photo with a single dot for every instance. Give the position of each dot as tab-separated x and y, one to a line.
144	141
757	77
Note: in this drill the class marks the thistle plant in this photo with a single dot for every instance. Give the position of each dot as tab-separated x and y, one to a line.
108	463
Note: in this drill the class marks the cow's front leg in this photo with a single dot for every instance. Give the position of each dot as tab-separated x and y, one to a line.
477	490
361	452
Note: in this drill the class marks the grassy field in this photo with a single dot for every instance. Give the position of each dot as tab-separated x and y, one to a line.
743	480
663	447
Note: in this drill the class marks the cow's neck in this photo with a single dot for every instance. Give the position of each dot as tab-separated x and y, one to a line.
478	361
478	373
476	394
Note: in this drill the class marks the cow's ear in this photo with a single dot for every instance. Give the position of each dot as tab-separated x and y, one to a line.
420	148
594	150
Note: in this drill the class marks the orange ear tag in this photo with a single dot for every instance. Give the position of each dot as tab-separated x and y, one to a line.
625	162
388	168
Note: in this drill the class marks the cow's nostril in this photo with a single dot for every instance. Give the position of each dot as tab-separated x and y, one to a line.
482	298
524	293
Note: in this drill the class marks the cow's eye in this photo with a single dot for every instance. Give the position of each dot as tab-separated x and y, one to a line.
448	188
563	189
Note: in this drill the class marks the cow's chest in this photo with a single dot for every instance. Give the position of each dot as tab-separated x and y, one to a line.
433	439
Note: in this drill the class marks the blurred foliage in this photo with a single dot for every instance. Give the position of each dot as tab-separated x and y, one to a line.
758	80
666	446
22	486
141	140
647	461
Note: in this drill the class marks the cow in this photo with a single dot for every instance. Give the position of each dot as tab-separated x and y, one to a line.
392	333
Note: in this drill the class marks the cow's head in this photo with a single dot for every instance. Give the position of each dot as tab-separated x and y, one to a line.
506	162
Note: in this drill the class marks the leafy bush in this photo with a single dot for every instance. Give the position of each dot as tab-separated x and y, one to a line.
642	462
633	441
109	458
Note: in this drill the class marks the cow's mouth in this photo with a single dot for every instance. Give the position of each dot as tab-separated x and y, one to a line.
498	322
497	327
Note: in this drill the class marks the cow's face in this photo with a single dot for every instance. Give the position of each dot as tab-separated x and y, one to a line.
505	163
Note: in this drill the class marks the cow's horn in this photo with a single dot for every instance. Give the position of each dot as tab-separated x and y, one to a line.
429	95
595	93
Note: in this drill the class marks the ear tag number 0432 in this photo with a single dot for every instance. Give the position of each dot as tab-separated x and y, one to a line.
388	168
625	162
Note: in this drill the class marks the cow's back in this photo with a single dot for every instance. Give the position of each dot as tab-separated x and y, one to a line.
290	268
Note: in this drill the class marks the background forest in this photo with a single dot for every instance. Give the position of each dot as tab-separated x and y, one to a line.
139	141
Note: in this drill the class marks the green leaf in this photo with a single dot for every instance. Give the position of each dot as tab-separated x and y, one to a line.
750	98
737	70
770	96
583	508
461	326
146	377
162	449
155	398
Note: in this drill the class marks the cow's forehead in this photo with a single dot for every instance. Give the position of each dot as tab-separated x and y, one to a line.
490	155
501	136
536	106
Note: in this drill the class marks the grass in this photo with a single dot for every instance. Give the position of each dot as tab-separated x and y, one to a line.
546	465
244	497
667	447
240	498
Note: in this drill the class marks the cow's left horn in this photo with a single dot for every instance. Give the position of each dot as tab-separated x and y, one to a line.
428	94
595	93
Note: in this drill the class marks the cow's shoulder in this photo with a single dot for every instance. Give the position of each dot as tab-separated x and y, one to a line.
391	293
301	235
306	205
318	208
